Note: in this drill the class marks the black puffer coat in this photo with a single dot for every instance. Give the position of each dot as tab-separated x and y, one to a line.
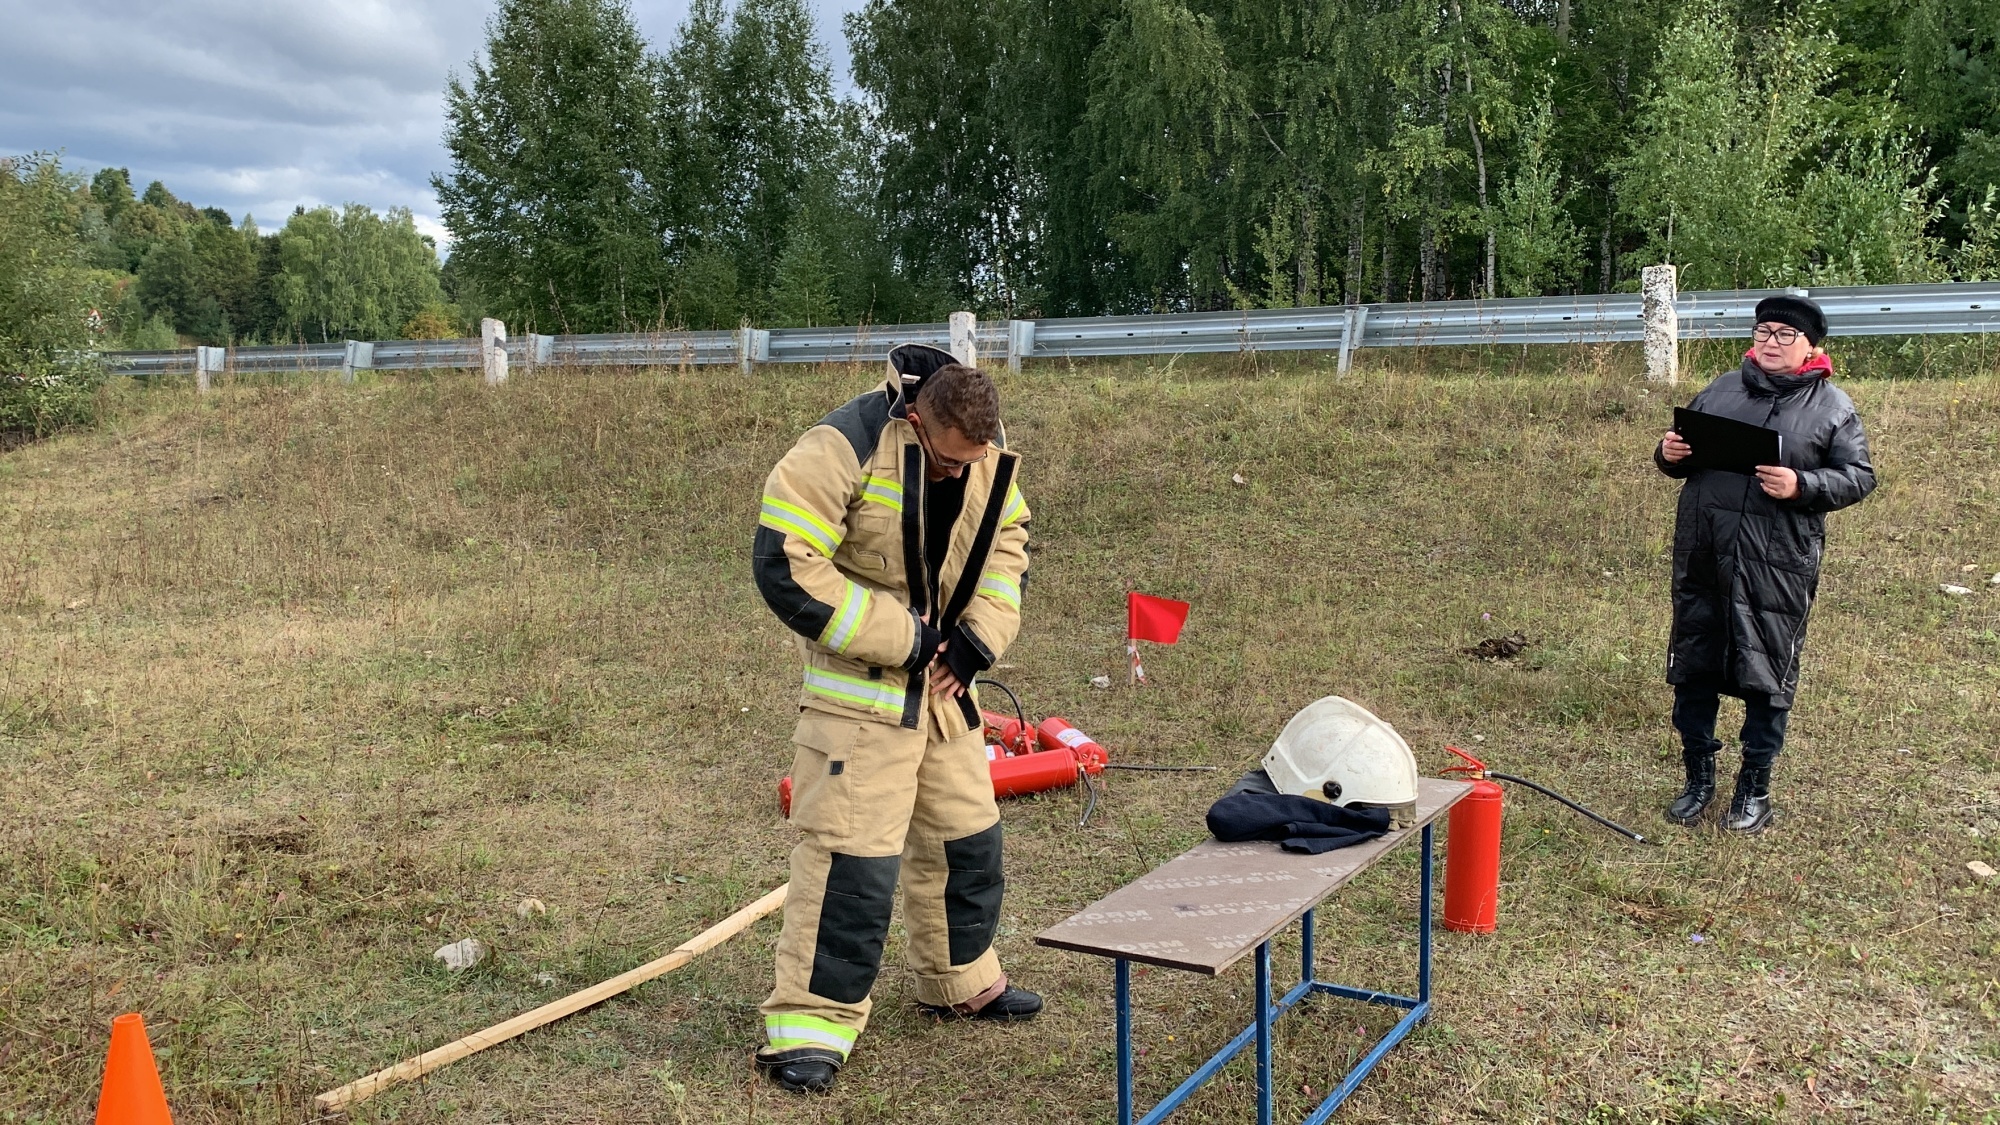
1746	567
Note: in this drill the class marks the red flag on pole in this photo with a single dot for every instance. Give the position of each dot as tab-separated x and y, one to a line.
1148	618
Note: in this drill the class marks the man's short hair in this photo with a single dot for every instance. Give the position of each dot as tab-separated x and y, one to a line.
961	396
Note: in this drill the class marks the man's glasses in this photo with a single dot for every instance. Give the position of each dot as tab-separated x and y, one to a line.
1786	336
943	463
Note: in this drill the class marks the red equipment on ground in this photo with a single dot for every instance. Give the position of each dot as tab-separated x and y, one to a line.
1472	853
1022	759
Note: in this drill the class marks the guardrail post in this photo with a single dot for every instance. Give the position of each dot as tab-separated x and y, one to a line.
1350	335
493	353
1020	343
208	362
360	357
540	348
753	346
964	338
1659	284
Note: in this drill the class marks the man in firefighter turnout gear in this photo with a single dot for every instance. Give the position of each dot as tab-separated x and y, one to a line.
893	542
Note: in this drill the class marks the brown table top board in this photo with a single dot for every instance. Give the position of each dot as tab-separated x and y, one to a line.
1207	909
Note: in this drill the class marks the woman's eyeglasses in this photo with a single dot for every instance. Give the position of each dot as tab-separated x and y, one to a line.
1786	336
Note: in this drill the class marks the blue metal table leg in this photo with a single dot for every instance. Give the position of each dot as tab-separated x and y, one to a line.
1122	989
1424	925
1306	949
1264	1034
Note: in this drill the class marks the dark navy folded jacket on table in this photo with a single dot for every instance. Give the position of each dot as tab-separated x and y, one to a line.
1299	824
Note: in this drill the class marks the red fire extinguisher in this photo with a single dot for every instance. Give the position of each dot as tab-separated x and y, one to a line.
1472	853
1058	734
1010	734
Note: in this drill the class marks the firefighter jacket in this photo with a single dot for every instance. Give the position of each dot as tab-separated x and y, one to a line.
839	557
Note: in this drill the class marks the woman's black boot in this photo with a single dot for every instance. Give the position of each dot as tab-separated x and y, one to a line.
1694	800
1750	809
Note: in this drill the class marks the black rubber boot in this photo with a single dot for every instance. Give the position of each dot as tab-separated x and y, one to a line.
802	1070
1694	800
1015	1005
1750	809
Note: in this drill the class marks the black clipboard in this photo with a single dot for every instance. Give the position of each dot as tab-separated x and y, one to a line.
1725	444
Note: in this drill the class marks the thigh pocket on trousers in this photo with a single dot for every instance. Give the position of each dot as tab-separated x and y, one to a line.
973	886
853	921
822	793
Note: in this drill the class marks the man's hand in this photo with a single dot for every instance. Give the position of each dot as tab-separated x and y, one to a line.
942	681
1674	449
1779	482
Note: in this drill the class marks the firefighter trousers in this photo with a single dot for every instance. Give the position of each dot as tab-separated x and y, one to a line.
878	804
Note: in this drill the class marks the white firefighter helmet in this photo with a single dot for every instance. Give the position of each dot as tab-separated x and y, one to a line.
1336	751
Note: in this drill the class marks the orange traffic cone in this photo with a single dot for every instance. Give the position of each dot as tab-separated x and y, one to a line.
132	1094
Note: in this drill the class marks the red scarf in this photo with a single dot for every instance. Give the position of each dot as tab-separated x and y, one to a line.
1820	365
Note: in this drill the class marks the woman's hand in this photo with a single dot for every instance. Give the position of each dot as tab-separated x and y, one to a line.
1674	449
1779	482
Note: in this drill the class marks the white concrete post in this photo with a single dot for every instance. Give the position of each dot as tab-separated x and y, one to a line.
493	351
1660	286
360	357
1351	334
964	338
208	362
1020	343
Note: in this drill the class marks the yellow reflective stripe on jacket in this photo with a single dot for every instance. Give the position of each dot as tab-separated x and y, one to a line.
855	690
883	491
791	519
1002	587
846	620
788	1031
1015	506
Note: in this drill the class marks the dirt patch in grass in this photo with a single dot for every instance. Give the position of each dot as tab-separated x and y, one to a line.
298	683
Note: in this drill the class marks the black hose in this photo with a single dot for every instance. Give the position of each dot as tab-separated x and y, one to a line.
1026	731
1090	805
1547	792
1162	769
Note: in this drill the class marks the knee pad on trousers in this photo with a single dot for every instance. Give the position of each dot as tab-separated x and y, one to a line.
973	886
853	921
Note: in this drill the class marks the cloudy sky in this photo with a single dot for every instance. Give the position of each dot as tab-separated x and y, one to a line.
262	105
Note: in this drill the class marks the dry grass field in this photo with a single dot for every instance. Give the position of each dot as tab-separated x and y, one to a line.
300	682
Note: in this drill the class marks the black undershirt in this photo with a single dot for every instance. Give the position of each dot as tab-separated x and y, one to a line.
943	500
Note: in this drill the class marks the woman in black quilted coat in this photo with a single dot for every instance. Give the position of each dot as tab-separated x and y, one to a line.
1747	553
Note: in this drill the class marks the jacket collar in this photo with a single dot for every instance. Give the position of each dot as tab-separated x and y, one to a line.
1762	384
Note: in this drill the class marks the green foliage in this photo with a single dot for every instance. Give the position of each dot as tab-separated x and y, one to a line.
1737	175
355	274
803	294
556	170
49	371
1539	247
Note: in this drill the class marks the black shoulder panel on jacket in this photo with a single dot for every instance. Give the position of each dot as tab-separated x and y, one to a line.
800	612
860	421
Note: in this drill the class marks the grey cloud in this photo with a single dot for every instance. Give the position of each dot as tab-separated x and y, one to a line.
258	107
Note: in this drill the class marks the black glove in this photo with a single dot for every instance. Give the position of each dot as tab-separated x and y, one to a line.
925	649
965	656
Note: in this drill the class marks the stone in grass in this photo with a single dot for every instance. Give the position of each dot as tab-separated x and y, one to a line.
461	955
1980	869
530	908
1954	591
1993	581
1100	681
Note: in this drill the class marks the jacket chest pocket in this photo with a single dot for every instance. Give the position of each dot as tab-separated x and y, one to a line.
873	533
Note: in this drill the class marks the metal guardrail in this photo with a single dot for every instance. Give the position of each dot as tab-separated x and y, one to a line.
1875	310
